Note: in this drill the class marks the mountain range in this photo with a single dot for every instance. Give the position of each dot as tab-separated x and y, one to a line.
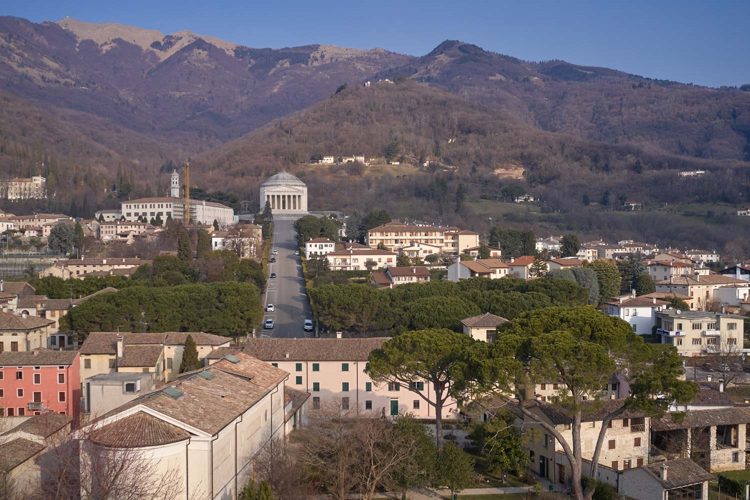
116	105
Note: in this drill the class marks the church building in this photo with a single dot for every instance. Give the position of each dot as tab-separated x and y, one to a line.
286	194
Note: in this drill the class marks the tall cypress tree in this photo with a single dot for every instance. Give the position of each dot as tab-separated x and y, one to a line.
190	359
184	249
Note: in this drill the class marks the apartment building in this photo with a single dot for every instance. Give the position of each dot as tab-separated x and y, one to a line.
22	334
166	207
159	354
204	428
31	188
333	372
700	289
695	333
245	240
318	247
395	276
664	270
80	268
639	312
38	381
480	268
423	250
121	230
395	236
360	259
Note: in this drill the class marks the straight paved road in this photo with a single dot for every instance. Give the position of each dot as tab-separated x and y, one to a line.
287	290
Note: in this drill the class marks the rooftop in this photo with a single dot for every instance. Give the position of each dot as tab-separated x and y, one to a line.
37	357
708	279
486	320
679	314
15	452
283	179
419	271
106	342
138	430
313	349
680	472
640	302
43	425
11	322
702	418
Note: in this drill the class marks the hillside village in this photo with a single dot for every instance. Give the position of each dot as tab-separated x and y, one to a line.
67	378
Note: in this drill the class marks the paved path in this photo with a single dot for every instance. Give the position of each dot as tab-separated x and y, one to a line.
287	290
432	494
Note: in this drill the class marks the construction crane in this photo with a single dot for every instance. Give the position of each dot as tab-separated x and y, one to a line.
187	193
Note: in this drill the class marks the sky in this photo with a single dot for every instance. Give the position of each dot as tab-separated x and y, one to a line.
703	42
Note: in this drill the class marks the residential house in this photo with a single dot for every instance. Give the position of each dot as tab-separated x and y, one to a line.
661	270
17	288
703	257
159	354
245	240
40	380
19	334
679	478
626	442
564	263
23	449
700	289
481	268
483	327
494	253
204	428
360	259
421	250
394	276
520	267
332	370
639	312
80	268
39	220
695	333
396	235
715	439
318	247
589	254
736	295
549	244
121	230
107	391
610	252
739	272
108	215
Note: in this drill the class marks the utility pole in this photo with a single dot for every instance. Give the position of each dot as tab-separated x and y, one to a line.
187	193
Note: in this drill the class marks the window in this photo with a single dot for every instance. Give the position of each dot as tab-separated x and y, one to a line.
735	456
679	341
393	386
14	346
543	387
11	412
60	378
697	326
637	442
344	386
344	367
316	367
298	367
87	363
61	397
298	380
316	386
614	464
112	362
21	412
345	403
2	393
130	387
1	372
611	444
731	326
415	404
732	341
316	403
275	365
19	393
609	424
37	378
626	463
53	340
37	397
697	341
368	386
639	462
417	386
368	405
625	422
169	363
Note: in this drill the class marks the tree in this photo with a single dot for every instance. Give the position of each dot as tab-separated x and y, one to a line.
608	277
203	246
418	469
583	276
216	225
484	251
460	197
501	443
538	268
158	221
391	150
513	243
267	212
78	239
259	491
569	245
446	363
184	248
403	260
582	349
62	238
190	359
455	469
644	284
101	218
279	466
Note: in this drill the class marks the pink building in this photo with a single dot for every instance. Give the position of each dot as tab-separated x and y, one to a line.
41	380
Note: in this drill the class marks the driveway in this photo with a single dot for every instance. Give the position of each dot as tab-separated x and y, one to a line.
287	290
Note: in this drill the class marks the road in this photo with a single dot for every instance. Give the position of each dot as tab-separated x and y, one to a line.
287	290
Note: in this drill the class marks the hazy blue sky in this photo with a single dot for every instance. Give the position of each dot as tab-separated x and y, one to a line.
705	42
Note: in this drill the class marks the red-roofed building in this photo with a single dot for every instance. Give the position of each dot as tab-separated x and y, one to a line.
394	276
520	267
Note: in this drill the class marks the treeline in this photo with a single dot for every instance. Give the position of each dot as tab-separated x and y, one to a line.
309	227
228	309
437	304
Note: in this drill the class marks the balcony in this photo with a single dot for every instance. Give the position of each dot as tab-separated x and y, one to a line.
637	427
711	333
669	333
35	405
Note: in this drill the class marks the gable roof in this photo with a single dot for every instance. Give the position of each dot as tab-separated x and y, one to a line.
524	260
18	287
313	349
43	425
476	267
568	262
106	342
138	430
16	452
702	418
680	472
486	320
707	279
135	356
37	357
641	301
11	322
419	271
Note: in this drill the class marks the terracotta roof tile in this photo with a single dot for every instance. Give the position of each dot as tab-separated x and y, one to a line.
524	260
641	301
703	418
138	430
486	320
15	452
37	358
282	349
134	356
106	342
18	287
681	472
11	322
419	271
43	425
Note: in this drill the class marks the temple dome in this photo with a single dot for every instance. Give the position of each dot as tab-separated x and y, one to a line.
282	179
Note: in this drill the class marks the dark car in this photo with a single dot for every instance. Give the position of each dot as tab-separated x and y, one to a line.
273	275
273	259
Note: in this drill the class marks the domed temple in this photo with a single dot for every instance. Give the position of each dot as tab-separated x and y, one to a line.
286	194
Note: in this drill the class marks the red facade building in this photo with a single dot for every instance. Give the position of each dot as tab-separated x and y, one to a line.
40	381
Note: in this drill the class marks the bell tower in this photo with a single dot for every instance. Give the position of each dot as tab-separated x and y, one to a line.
174	191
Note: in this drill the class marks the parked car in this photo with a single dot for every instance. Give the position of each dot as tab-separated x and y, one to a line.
296	252
276	252
268	324
273	259
270	308
273	275
308	327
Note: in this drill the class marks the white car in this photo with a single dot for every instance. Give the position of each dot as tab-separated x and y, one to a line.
296	252
268	324
276	252
308	327
270	308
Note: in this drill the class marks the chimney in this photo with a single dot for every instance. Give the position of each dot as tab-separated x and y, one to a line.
120	346
414	270
737	273
286	355
709	378
653	300
2	285
721	385
632	292
663	472
35	353
338	335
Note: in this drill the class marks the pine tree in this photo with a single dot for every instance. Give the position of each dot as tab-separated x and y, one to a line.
190	359
184	249
203	247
